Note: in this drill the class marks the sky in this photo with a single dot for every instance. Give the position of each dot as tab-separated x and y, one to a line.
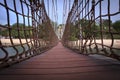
60	12
52	13
113	8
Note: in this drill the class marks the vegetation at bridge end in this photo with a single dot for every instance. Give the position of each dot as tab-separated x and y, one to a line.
116	26
87	29
43	32
17	31
82	29
75	32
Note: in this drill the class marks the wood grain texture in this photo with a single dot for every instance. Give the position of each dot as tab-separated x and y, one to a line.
60	63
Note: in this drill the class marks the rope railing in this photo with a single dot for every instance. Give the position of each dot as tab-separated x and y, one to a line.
92	27
26	31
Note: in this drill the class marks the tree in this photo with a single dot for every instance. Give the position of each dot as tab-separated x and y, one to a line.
89	28
116	26
16	30
105	28
20	30
43	32
104	22
4	30
74	32
54	25
5	33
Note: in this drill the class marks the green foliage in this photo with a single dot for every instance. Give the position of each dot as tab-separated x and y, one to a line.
105	22
17	30
83	27
43	31
89	28
94	30
73	38
74	32
5	33
54	25
21	29
116	26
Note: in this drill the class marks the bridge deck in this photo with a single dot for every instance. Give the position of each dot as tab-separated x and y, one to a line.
60	63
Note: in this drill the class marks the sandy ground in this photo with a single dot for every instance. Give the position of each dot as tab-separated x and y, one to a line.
7	42
106	42
15	41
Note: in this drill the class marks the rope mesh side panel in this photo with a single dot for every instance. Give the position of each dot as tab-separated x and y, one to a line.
26	30
90	28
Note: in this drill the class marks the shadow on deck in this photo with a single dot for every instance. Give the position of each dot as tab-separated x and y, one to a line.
60	63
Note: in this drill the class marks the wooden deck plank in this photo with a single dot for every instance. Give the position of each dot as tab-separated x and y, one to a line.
78	76
60	63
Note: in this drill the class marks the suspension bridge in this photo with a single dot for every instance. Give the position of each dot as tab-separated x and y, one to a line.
89	47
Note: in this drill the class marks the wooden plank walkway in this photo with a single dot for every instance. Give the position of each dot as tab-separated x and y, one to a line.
60	63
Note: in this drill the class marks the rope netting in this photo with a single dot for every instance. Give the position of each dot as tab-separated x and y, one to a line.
93	27
26	30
